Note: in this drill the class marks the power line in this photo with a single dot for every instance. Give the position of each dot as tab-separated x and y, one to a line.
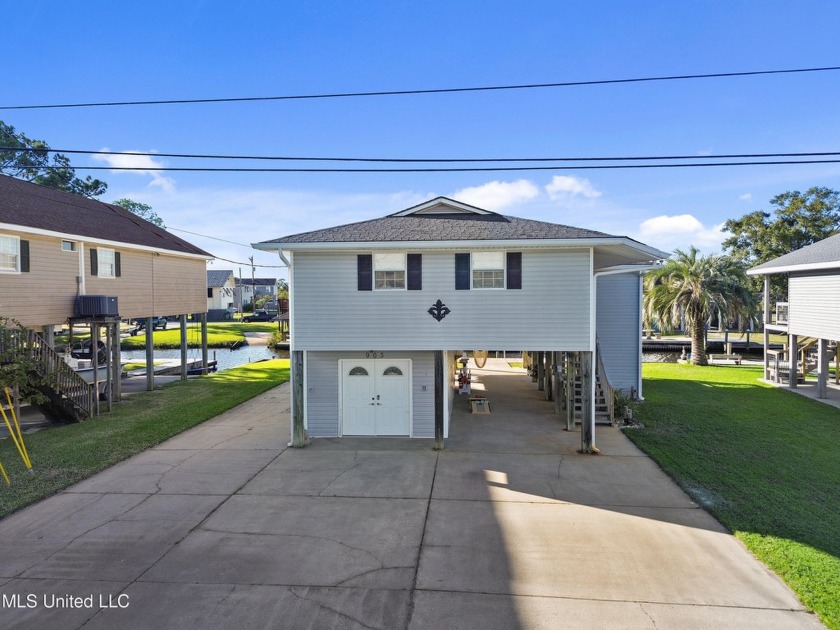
475	169
529	86
206	156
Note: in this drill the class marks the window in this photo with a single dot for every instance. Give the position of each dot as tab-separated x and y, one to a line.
389	271
104	263
107	263
9	253
358	371
386	271
488	270
68	246
210	292
392	371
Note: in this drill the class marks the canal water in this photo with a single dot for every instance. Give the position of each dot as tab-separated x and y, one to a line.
225	359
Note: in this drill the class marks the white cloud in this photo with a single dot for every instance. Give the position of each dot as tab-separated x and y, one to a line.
745	197
143	163
497	195
670	232
564	188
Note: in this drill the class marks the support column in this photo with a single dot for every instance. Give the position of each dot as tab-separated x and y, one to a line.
94	362
571	377
793	345
540	371
116	359
150	356
556	382
766	332
822	369
183	321
549	370
109	364
587	420
298	433
205	362
440	383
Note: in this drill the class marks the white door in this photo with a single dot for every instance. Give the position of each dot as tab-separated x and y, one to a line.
392	397
357	397
376	397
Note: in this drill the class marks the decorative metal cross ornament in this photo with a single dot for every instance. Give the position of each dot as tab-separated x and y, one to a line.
439	310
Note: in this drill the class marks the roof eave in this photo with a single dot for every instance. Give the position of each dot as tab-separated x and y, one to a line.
25	229
654	253
822	266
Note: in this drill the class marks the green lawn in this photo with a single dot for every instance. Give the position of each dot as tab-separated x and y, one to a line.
219	335
65	455
765	462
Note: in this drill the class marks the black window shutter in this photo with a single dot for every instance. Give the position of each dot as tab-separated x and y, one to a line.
24	256
514	270
94	262
365	272
462	272
117	268
415	272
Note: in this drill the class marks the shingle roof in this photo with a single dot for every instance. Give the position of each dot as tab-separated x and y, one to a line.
218	277
30	205
441	227
825	253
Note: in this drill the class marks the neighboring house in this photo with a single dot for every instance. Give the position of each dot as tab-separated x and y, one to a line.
380	310
810	316
65	258
55	246
221	294
249	288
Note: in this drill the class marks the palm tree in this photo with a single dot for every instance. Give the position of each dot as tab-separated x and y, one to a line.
689	286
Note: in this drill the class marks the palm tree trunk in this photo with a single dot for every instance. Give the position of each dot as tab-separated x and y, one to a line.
698	345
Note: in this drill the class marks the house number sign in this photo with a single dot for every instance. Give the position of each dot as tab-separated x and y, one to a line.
374	354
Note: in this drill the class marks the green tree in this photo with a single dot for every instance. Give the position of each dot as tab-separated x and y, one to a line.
689	286
18	371
142	210
798	219
33	161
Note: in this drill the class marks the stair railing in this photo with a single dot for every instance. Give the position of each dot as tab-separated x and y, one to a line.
50	366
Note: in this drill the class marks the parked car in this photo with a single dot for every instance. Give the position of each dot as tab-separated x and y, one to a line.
140	324
258	316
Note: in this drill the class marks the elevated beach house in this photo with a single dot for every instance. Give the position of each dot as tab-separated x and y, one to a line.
809	316
66	259
381	309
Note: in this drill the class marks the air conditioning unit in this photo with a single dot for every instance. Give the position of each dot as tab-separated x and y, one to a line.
96	306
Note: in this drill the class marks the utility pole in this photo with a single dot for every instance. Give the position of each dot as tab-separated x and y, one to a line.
253	287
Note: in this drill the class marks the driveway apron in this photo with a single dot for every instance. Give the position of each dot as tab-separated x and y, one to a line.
509	527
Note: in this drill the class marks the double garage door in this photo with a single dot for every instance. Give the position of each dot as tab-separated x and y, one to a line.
376	396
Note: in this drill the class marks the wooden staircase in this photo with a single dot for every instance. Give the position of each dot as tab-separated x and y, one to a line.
604	395
68	397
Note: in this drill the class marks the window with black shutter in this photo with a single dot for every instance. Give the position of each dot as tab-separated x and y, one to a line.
365	272
415	272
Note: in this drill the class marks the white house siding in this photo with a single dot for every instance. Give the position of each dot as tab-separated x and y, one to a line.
550	311
322	390
618	328
814	301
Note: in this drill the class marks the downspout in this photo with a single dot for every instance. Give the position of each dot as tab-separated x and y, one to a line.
81	281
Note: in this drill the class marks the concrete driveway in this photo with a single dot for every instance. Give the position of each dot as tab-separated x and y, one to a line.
509	527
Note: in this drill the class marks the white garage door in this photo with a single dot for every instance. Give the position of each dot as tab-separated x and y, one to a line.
376	396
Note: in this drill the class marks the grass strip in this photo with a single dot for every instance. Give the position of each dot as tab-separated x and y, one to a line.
219	335
761	460
64	455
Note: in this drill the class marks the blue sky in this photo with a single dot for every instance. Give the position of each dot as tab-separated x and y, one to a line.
112	51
